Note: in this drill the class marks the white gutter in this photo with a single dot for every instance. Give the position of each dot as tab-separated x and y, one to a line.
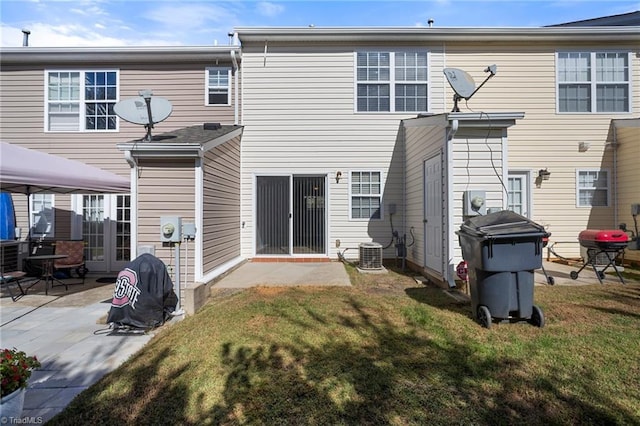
450	232
437	34
404	186
615	177
113	55
236	101
133	177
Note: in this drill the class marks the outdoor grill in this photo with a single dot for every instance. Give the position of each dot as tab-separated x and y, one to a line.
607	242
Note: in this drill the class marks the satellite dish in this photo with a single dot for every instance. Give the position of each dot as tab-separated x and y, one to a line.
463	84
134	110
146	110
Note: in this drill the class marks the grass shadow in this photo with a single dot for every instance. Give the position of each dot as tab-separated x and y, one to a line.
336	356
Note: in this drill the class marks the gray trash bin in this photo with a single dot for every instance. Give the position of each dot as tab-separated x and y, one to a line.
502	250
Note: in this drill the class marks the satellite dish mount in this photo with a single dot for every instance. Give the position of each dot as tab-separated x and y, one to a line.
463	84
146	94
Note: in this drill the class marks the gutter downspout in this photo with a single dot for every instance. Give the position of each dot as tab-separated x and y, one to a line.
452	132
615	177
234	60
133	176
404	190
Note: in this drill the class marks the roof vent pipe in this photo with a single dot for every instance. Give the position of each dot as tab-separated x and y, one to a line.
430	22
25	37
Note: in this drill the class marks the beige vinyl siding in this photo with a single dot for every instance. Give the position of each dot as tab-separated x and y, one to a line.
525	81
299	115
22	116
221	205
628	178
165	188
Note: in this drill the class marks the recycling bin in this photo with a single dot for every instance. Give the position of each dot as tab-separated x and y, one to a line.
502	250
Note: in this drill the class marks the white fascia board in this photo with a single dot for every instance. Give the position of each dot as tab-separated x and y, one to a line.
439	34
486	119
119	55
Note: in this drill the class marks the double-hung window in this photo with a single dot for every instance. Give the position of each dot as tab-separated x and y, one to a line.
592	188
42	220
81	101
366	195
392	81
218	92
593	82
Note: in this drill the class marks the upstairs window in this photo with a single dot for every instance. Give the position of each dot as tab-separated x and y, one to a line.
79	101
593	82
218	92
392	81
366	195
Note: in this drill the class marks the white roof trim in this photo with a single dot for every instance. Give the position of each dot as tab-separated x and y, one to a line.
422	34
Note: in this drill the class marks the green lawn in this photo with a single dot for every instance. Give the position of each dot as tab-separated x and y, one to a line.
380	354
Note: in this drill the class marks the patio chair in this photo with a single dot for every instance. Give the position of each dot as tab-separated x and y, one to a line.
74	260
9	279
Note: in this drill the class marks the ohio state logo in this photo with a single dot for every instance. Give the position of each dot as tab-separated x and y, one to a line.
126	291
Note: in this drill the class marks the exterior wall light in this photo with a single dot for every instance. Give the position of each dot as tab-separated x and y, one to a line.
338	176
544	174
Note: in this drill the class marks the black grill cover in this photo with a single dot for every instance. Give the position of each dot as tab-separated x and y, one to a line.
143	296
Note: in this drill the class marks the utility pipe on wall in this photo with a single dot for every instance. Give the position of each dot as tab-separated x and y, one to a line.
450	232
236	101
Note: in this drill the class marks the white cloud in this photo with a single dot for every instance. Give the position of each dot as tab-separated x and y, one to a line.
45	35
269	9
189	15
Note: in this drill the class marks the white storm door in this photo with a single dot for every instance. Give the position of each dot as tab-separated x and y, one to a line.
518	195
106	231
433	216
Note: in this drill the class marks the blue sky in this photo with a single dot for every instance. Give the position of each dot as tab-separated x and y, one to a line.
207	22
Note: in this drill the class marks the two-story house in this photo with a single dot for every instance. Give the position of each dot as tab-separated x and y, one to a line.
61	101
349	136
334	137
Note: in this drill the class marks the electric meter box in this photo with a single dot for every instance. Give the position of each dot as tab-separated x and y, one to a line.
170	229
474	203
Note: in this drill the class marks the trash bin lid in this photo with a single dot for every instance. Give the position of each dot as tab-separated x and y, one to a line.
502	224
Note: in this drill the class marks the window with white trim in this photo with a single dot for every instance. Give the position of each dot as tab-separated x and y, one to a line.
218	92
42	219
392	81
366	195
593	82
79	101
592	188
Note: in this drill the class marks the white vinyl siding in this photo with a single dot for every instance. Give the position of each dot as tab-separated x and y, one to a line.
292	136
593	82
392	81
218	88
366	195
592	188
